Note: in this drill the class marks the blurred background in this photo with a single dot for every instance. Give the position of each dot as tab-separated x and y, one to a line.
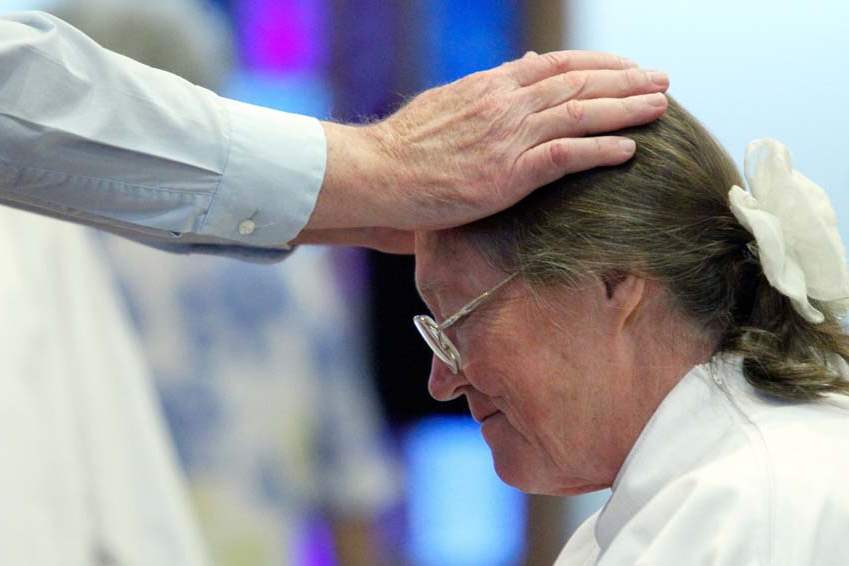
296	394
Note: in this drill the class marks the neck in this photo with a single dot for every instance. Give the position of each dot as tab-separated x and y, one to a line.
657	365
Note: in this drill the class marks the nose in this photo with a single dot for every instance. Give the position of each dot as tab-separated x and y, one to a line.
442	384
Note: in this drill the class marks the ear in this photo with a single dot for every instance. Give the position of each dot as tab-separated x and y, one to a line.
625	293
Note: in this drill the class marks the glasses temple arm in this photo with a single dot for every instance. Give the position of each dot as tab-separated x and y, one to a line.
475	303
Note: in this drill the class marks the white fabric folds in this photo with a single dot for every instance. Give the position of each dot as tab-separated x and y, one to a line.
795	227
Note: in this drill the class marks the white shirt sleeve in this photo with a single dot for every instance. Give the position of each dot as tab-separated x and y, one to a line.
94	137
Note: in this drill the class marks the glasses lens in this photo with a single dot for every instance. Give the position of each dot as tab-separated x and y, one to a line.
438	341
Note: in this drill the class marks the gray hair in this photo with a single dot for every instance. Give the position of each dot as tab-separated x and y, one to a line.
665	216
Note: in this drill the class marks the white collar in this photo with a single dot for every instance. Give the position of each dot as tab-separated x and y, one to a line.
697	413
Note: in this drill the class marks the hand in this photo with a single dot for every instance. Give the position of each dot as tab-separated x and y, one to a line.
466	150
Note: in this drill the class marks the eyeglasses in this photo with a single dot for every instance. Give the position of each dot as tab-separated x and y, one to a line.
434	334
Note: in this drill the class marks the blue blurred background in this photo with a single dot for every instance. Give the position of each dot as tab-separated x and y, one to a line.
746	69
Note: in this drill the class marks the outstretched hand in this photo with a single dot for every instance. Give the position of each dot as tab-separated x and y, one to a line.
471	148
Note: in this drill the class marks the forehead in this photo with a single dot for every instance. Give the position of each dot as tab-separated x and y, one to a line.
446	261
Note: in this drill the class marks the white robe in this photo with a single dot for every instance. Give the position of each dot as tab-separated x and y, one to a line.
88	476
724	476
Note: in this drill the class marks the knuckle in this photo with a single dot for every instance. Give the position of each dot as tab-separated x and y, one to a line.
558	62
633	79
576	83
640	80
629	106
601	147
575	111
559	154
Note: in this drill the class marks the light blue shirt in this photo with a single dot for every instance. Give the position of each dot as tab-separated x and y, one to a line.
90	136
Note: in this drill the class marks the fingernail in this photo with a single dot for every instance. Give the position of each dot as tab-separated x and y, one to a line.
658	99
630	63
628	146
530	54
659	78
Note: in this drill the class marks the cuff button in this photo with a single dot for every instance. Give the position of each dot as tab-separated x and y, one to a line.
247	227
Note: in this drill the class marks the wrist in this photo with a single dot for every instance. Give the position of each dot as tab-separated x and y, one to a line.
360	178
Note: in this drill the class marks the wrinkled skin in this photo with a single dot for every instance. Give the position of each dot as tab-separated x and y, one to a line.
562	380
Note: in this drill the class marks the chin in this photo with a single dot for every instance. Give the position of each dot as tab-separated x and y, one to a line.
519	465
525	472
535	482
513	475
578	490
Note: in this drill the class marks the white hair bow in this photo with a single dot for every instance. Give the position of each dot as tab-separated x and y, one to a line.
795	227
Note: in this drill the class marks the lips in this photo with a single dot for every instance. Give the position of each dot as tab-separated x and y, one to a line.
489	416
480	406
481	416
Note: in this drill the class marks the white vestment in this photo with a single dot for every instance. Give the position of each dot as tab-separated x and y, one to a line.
722	475
88	475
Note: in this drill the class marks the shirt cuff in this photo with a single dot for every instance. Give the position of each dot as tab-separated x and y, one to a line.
272	178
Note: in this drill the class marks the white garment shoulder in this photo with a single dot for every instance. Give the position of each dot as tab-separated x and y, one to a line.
582	549
725	476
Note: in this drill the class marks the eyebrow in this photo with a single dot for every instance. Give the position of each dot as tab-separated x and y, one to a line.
430	288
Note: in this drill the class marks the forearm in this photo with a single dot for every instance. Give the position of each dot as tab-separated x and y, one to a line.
96	138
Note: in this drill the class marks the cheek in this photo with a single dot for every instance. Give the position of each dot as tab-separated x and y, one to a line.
511	376
554	380
488	365
503	363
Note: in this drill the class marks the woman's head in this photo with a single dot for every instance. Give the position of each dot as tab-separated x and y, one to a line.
628	276
664	216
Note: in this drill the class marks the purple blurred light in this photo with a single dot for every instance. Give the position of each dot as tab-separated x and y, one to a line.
316	545
282	35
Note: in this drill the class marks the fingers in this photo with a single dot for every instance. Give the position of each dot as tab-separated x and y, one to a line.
390	241
578	118
534	68
386	240
552	160
602	83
